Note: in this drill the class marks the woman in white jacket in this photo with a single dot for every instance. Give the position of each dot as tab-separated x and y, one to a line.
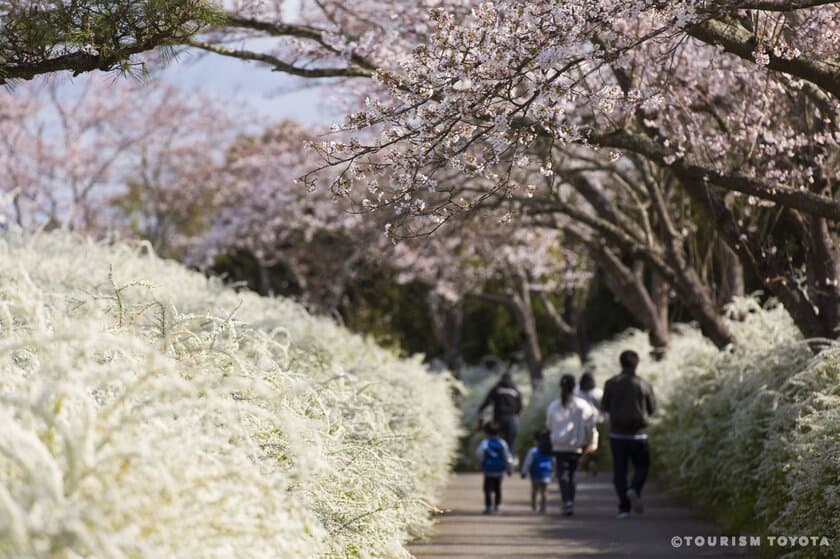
571	420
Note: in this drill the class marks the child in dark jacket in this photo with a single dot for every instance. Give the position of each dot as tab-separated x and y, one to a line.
496	460
539	464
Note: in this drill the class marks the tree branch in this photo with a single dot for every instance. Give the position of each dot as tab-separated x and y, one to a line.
294	30
742	43
279	65
801	200
777	5
765	266
552	312
77	62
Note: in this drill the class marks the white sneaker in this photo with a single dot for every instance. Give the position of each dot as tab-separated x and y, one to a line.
635	501
622	515
496	510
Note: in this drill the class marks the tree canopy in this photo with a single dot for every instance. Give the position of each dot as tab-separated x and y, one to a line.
676	154
39	37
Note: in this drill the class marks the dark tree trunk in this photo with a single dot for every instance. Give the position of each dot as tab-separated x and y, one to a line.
263	280
627	287
447	318
520	304
694	294
631	292
822	263
659	293
517	299
577	315
554	315
673	266
730	275
823	272
767	267
523	313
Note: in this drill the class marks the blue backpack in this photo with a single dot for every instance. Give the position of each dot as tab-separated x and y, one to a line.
541	466
495	461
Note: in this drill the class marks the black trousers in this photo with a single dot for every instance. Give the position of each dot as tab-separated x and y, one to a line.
509	426
624	451
567	463
492	485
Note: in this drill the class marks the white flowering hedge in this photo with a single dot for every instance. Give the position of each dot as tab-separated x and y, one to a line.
752	433
150	412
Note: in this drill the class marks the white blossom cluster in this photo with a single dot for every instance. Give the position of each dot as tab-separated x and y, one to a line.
486	92
150	412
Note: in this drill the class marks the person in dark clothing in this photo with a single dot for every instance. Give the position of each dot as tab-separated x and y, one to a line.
507	403
629	400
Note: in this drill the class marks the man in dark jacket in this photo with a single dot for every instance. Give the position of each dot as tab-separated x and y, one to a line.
629	400
507	403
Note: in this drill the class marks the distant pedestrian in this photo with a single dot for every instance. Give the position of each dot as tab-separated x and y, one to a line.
589	391
496	461
507	403
571	421
539	465
629	401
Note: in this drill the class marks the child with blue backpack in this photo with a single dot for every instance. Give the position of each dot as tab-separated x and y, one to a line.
539	464
496	460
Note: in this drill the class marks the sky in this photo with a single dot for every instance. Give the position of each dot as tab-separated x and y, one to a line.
276	95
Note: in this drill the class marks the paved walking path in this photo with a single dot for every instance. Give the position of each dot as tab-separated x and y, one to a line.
593	532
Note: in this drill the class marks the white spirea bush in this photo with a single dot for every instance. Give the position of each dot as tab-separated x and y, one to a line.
755	432
752	432
150	412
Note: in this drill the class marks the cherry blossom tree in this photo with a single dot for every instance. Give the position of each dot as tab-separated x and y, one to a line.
14	112
97	155
490	259
618	212
452	268
733	101
263	209
724	97
637	130
326	38
312	241
532	263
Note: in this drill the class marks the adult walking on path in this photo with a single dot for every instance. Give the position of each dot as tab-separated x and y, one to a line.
571	421
629	400
507	403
